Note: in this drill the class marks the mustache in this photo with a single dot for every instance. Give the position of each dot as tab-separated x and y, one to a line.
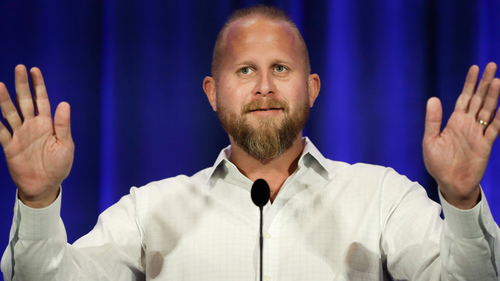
265	103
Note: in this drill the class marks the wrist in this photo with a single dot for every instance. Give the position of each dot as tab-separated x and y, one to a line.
461	201
39	201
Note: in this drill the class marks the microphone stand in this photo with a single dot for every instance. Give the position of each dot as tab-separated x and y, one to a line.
261	240
260	195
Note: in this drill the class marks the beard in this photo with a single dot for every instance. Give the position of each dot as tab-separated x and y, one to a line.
272	136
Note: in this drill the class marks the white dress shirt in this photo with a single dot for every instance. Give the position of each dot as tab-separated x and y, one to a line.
330	221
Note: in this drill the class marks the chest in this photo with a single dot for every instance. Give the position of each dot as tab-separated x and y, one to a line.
319	237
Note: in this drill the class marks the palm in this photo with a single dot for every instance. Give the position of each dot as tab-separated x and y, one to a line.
36	159
461	151
39	153
457	157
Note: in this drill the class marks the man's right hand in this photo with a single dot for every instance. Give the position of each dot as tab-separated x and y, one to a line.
39	152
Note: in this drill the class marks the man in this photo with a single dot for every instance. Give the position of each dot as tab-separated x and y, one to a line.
328	220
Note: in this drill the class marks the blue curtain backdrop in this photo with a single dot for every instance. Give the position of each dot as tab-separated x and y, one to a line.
132	71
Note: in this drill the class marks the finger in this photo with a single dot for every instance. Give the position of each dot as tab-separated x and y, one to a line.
463	101
490	104
41	98
477	100
493	130
23	97
433	119
9	111
5	136
62	124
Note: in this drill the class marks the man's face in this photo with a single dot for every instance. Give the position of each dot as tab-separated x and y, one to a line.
262	95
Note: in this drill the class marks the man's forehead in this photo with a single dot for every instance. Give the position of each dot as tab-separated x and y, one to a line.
259	29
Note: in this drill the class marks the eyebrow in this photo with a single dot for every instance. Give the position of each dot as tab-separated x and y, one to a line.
282	62
250	62
247	62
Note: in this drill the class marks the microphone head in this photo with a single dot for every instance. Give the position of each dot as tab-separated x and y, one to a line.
260	193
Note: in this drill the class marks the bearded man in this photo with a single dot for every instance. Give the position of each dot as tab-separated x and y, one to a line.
327	220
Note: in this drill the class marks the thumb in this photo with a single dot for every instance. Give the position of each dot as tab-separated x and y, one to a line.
433	119
62	124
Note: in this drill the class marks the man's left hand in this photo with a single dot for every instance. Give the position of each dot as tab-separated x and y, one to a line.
457	157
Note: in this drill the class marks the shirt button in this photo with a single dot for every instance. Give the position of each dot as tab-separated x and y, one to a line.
484	211
487	219
268	236
267	277
228	165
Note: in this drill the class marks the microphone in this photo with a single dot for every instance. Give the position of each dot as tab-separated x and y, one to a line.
260	195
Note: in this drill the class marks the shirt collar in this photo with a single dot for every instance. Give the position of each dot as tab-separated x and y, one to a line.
310	158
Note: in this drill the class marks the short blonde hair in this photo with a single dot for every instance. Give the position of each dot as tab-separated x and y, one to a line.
268	12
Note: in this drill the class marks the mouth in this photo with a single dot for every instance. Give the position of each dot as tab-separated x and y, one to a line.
265	112
265	109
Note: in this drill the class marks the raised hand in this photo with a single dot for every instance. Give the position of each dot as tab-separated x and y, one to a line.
457	157
39	152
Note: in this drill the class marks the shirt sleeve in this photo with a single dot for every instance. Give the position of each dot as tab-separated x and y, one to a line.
38	248
418	245
469	243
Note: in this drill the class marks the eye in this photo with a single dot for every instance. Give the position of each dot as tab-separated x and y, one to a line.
279	68
246	70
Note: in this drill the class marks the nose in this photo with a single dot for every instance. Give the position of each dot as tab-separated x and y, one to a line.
265	84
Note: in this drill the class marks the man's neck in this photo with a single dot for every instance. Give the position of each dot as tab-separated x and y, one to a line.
275	172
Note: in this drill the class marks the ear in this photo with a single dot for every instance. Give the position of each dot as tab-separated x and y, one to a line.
209	88
314	86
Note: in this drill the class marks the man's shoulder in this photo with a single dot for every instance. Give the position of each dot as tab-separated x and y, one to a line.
368	174
180	183
370	179
170	195
343	167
